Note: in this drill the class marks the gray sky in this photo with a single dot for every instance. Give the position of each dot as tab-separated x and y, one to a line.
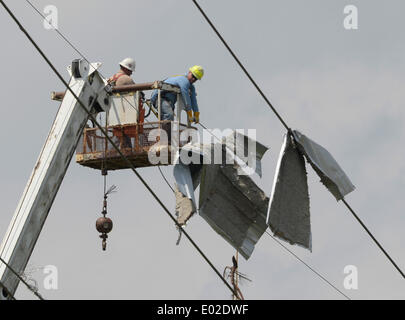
341	88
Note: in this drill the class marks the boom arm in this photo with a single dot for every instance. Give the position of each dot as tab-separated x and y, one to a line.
49	171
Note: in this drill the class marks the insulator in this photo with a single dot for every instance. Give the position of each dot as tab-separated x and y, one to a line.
104	225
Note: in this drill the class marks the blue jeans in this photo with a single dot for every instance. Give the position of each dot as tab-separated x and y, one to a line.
167	110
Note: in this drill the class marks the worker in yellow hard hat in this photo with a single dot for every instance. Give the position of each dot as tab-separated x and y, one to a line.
186	85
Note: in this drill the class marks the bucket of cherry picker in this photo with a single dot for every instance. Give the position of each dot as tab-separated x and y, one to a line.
129	129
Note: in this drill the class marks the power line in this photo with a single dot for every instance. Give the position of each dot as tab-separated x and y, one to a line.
19	277
288	129
164	178
372	237
112	142
308	266
66	39
241	65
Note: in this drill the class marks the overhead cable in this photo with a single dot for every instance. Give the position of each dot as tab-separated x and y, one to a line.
20	278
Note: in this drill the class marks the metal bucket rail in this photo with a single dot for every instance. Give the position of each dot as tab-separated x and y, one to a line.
134	141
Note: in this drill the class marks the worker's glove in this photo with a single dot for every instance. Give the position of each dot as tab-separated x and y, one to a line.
190	115
196	117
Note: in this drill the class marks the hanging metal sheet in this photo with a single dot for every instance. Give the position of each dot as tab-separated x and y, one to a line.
289	216
230	201
184	181
331	174
234	206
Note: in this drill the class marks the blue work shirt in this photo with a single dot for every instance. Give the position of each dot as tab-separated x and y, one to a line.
187	92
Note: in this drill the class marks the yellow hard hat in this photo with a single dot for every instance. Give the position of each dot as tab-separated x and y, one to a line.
197	72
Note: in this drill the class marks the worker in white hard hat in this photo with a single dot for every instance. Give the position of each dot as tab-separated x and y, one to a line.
123	77
186	85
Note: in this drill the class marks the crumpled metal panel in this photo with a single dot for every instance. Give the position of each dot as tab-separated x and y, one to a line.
184	181
230	201
331	174
289	215
234	206
233	149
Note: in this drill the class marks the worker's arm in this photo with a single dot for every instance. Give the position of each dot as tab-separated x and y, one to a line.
124	80
154	97
193	98
184	85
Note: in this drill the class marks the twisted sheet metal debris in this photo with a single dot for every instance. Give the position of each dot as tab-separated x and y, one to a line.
331	174
234	206
289	215
231	203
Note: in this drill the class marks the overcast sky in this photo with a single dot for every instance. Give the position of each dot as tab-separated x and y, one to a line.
342	88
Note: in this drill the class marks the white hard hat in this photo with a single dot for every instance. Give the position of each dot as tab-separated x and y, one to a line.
128	63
